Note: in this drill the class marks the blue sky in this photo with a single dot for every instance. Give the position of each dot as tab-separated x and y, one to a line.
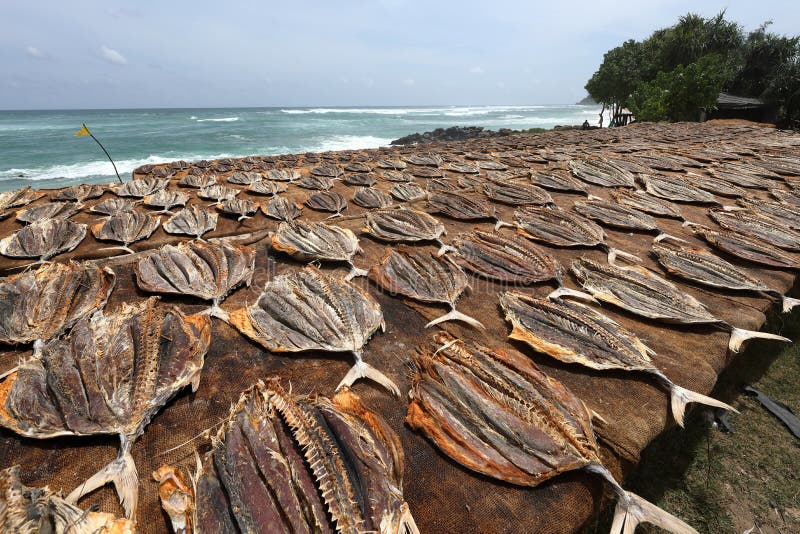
177	53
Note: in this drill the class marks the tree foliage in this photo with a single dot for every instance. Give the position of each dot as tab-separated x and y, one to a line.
678	70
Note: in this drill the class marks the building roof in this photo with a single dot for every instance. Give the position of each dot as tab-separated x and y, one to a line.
727	101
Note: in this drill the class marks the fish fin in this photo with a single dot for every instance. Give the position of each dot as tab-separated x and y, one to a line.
593	197
732	208
574	293
407	523
614	252
9	372
362	369
122	472
354	272
120	247
789	303
663	235
739	336
501	224
680	397
455	315
337	214
444	249
632	510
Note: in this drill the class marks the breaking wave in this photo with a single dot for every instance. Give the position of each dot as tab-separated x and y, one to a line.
224	119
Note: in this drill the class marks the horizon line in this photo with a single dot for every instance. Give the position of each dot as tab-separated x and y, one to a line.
365	106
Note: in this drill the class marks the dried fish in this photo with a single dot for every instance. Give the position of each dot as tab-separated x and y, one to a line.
675	189
644	293
245	178
397	176
19	197
506	259
126	228
643	201
469	181
755	225
404	225
371	198
38	305
198	181
425	277
425	160
327	170
441	186
787	197
602	173
557	227
209	271
392	164
491	165
426	172
357	166
745	247
283	175
699	265
717	187
43	239
740	179
309	310
282	209
366	180
141	187
48	210
267	187
329	201
558	181
218	193
494	412
780	212
319	183
318	241
79	193
616	215
166	200
517	194
461	167
194	221
109	376
113	206
25	510
458	206
408	192
575	333
284	463
240	208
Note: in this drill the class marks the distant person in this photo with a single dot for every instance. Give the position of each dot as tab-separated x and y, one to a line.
585	125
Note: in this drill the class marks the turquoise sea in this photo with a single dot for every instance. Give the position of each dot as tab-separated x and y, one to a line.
39	148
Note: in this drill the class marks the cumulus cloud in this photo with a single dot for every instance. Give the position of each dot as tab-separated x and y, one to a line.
32	51
112	56
476	70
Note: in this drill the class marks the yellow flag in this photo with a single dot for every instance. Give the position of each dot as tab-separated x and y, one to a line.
83	131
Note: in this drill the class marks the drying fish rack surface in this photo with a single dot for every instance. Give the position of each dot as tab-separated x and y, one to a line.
443	496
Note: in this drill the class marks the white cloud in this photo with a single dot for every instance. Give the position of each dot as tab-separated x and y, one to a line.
409	81
476	70
112	56
34	52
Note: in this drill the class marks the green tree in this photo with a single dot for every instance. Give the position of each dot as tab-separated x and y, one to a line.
618	76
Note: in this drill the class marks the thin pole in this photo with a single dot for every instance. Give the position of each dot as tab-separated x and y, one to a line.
108	156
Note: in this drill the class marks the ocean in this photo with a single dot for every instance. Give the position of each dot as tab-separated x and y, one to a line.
38	148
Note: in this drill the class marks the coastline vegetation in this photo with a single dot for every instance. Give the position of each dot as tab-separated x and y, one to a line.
679	70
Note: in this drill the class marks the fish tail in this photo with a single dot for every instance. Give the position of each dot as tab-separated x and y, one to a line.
614	252
574	293
501	224
789	303
122	472
663	235
632	510
362	369
219	313
455	315
739	336
354	272
444	249
407	523
680	397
